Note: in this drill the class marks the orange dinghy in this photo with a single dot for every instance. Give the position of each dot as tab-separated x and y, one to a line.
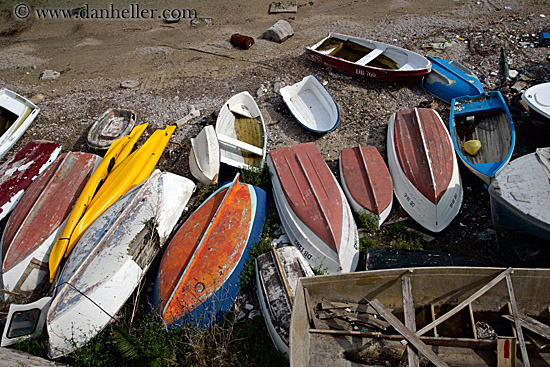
199	273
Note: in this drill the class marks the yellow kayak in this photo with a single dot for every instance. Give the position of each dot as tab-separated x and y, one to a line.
125	175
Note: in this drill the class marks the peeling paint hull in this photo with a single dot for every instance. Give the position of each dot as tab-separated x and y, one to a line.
36	222
199	273
111	258
21	169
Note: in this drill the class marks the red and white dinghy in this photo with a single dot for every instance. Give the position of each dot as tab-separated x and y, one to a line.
39	218
366	182
369	59
424	168
313	209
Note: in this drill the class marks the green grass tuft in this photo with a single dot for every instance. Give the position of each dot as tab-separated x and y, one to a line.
404	239
367	221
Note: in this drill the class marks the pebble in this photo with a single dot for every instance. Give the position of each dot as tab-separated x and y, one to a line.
253	314
129	84
49	75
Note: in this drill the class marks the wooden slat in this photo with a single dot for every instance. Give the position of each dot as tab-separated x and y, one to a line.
465	303
515	313
310	312
472	320
354	317
283	277
532	324
240	144
410	318
432	312
408	334
428	340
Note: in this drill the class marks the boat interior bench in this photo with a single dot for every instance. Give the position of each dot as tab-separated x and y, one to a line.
240	144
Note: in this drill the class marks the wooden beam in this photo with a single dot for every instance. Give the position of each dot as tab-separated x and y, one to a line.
472	320
465	303
310	312
515	313
532	324
484	344
410	318
408	334
432	312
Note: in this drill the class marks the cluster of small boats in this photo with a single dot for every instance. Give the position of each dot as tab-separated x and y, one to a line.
88	252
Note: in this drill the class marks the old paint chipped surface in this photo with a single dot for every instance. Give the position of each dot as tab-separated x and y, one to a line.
41	212
21	169
277	305
216	245
311	190
424	151
102	265
367	178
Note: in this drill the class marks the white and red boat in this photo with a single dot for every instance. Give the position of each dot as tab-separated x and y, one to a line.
423	167
313	209
364	58
366	182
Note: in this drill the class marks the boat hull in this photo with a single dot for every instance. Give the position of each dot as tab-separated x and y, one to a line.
198	278
112	257
277	274
37	221
485	118
204	156
241	133
313	209
17	113
406	65
366	182
21	169
113	124
520	196
450	79
312	105
424	168
432	289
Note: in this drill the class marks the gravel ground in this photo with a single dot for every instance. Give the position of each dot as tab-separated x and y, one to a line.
180	65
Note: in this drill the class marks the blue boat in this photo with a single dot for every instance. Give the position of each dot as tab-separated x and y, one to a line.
450	79
484	118
198	277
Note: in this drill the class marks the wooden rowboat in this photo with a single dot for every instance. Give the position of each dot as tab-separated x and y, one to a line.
312	105
313	209
198	277
450	79
451	316
424	168
366	182
277	274
204	156
368	59
520	195
484	118
16	115
241	133
113	124
36	222
18	172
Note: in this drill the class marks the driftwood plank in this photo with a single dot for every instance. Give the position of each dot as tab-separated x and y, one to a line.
408	334
515	313
464	303
410	318
532	324
484	344
354	307
354	317
310	311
